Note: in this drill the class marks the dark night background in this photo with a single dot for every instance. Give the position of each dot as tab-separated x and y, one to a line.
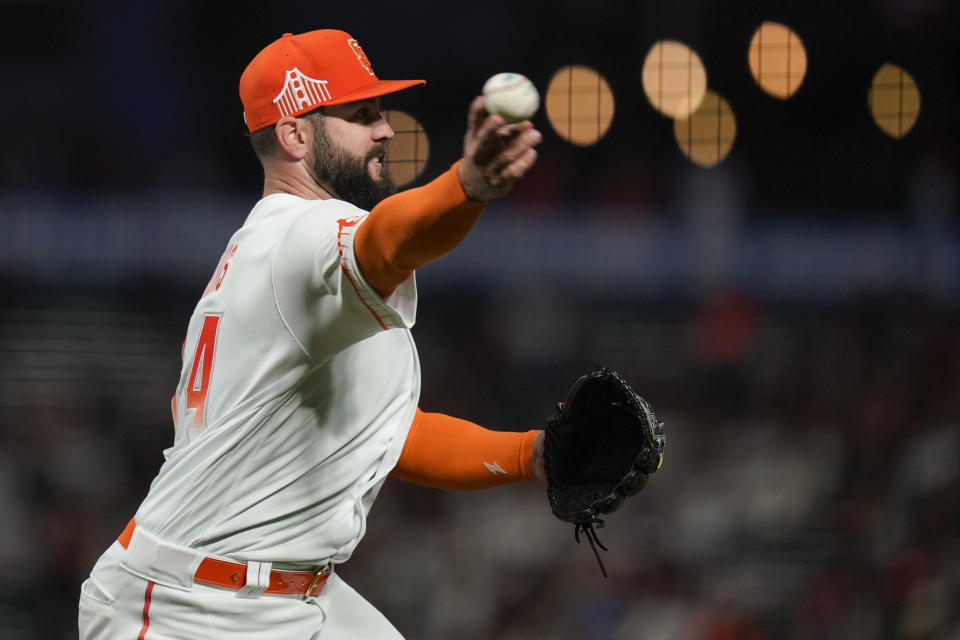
791	313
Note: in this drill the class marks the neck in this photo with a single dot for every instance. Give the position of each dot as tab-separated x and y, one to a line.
296	182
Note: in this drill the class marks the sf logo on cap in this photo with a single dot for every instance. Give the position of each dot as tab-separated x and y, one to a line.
361	56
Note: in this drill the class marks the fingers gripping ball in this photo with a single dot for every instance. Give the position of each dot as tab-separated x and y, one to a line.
512	96
600	447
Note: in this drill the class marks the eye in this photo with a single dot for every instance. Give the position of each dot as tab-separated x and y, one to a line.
367	114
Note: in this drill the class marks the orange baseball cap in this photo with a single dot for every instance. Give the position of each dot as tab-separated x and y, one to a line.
298	73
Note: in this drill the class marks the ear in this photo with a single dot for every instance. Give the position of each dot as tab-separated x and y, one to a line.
293	136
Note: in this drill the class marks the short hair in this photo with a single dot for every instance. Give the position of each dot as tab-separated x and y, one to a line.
264	141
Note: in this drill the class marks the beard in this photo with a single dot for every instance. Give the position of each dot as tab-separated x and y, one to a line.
345	175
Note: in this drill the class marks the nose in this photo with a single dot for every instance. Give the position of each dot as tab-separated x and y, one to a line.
382	131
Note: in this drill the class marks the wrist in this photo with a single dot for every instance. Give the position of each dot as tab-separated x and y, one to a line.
469	177
532	461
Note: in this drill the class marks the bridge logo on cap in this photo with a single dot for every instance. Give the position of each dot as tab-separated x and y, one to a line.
300	91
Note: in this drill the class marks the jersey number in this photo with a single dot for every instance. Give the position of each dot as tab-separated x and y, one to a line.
199	380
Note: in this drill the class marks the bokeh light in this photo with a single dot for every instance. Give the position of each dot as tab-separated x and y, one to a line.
894	100
706	137
580	105
778	59
802	293
674	78
409	151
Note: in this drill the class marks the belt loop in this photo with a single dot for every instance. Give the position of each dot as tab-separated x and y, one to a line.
258	579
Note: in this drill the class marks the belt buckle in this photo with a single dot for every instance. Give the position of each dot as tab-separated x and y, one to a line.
316	578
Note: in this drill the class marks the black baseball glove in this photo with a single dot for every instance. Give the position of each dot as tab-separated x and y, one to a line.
600	446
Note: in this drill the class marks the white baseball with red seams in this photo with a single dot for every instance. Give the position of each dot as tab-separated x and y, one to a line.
512	96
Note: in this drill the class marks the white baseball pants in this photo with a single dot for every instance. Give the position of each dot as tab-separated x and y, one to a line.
116	604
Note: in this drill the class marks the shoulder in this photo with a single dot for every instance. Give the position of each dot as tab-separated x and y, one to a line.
296	227
279	207
310	230
289	204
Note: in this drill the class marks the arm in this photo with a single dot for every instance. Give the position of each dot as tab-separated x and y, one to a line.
411	228
449	453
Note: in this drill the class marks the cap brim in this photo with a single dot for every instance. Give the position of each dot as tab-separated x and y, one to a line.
374	89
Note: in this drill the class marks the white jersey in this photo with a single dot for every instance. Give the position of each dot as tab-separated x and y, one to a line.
298	387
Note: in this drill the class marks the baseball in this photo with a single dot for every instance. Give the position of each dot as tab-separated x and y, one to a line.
512	96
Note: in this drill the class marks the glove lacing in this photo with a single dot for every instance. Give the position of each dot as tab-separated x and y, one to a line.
591	535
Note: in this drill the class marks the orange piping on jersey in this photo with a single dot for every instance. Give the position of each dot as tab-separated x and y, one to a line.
347	268
411	228
449	453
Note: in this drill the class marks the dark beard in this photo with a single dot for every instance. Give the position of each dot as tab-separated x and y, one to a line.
346	175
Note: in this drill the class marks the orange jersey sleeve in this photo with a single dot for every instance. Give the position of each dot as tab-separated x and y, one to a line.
413	227
449	453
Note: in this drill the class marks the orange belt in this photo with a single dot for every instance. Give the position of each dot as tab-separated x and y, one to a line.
233	575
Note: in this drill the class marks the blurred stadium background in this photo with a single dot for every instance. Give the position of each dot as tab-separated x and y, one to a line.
779	274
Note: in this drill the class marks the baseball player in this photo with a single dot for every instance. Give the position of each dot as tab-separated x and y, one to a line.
300	381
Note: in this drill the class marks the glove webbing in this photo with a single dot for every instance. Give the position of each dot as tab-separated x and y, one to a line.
591	534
